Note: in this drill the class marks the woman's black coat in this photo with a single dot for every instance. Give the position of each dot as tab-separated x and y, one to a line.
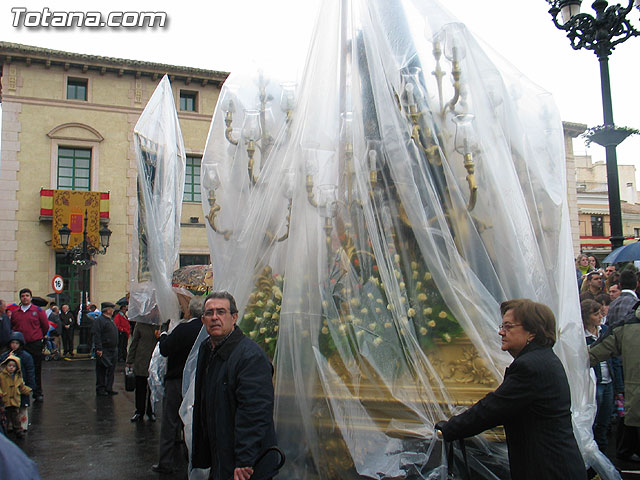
534	405
233	406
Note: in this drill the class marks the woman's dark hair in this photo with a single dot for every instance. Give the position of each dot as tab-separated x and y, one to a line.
588	307
603	299
232	301
535	318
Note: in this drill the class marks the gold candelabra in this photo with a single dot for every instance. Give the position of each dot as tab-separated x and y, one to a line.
255	137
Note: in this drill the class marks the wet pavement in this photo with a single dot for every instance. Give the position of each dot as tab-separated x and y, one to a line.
76	434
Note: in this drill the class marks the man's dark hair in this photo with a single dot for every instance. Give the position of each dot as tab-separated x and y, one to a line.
25	290
232	301
628	280
603	299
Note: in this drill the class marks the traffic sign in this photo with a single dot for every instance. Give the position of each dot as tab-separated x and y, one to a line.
57	283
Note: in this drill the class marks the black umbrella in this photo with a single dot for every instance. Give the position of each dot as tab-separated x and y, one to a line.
39	301
61	297
122	301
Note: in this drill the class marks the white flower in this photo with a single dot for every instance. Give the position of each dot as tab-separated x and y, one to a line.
377	341
325	330
423	331
411	312
262	331
442	314
372	326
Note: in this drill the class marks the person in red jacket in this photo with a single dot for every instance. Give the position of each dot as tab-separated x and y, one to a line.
32	322
124	329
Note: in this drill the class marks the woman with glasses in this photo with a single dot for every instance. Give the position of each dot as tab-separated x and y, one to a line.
533	402
592	321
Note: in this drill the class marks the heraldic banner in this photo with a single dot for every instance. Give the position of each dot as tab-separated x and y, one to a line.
69	207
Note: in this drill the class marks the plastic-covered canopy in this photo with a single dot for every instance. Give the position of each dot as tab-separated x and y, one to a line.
156	236
371	219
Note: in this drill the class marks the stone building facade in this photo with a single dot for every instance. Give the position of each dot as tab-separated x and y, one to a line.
67	123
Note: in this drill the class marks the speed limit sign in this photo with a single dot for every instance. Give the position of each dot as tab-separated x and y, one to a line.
57	283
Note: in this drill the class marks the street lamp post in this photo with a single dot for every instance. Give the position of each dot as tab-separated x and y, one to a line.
601	33
81	256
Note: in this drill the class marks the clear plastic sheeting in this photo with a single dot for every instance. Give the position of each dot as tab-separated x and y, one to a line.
371	218
156	238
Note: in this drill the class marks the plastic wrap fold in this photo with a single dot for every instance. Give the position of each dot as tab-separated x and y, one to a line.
156	237
371	219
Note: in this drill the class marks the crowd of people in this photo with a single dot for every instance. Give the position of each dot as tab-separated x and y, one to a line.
233	404
609	303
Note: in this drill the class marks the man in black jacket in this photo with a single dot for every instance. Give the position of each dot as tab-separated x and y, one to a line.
105	338
68	322
176	347
233	402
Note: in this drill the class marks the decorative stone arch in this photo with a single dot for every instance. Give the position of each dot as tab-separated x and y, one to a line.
75	135
75	131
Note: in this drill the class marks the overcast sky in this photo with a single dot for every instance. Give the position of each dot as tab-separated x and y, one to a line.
231	34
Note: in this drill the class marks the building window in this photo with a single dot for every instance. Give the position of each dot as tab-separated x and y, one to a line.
192	180
189	259
636	232
188	101
74	168
77	89
597	226
72	277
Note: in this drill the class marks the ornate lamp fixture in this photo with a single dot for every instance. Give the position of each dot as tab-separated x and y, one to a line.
81	257
601	33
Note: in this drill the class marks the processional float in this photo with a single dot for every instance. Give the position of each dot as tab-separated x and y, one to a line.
370	220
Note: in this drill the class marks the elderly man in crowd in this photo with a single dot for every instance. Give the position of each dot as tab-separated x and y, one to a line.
176	347
105	338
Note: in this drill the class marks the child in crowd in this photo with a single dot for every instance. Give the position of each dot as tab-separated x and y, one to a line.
11	386
16	348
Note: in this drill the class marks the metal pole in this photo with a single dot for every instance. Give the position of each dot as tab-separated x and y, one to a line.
615	213
83	343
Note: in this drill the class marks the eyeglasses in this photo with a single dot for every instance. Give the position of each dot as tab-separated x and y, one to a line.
221	312
508	326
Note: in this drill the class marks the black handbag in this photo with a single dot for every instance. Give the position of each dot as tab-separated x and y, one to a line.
454	473
104	361
264	470
129	380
